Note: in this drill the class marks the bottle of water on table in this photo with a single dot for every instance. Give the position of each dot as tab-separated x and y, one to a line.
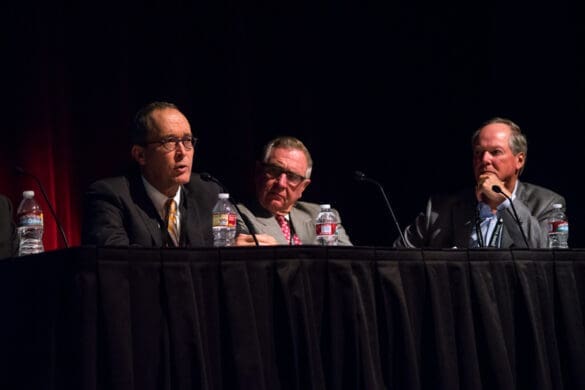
558	228
224	221
30	228
326	226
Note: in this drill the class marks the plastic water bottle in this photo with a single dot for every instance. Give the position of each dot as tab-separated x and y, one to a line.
326	226
558	228
29	219
224	221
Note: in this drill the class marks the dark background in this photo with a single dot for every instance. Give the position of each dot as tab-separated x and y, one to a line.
394	89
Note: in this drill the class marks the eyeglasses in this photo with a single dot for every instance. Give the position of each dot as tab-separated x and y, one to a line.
274	172
170	144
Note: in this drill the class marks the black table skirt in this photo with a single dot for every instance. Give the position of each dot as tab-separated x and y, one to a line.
293	318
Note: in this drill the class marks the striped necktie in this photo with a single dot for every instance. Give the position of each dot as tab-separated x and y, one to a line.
171	207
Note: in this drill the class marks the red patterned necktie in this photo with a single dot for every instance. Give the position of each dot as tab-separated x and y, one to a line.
286	230
171	207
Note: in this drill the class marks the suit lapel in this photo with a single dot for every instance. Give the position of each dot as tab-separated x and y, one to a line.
464	221
267	223
303	226
146	210
192	226
507	240
272	228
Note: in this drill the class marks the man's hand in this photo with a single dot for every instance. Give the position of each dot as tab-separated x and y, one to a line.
485	193
248	240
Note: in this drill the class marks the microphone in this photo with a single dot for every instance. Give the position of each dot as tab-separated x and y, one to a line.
498	190
360	176
21	171
207	177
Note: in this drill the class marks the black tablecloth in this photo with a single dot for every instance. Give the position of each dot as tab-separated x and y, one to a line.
293	318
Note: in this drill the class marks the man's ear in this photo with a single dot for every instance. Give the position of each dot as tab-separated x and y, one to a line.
521	159
305	184
137	152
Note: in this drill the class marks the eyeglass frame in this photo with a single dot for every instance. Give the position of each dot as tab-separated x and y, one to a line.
287	173
174	141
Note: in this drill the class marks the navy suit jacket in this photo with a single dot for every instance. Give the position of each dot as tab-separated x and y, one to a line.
448	221
118	212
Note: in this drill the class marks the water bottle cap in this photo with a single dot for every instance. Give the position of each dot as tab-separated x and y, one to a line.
28	194
557	206
325	206
224	195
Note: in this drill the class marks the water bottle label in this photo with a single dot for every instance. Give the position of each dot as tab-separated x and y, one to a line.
224	219
31	219
326	229
558	227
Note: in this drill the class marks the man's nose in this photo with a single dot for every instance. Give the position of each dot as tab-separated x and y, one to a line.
180	149
282	179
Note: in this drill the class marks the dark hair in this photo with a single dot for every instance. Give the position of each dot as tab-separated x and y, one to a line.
142	121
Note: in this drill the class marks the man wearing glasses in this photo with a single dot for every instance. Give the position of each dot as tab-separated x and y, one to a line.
162	204
278	217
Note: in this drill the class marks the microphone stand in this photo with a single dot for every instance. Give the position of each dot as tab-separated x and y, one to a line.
21	171
498	190
207	177
362	177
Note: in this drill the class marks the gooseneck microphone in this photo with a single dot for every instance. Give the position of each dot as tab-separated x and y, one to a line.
21	171
498	190
207	177
360	176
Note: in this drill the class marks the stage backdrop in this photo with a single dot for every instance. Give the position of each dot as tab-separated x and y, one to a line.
392	89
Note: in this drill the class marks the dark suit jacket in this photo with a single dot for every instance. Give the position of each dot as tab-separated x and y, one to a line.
7	230
302	217
118	212
448	221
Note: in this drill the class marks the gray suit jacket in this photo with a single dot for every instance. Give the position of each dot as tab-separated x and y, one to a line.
118	212
302	219
448	221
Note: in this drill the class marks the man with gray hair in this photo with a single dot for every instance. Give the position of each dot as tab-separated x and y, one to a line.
484	216
277	216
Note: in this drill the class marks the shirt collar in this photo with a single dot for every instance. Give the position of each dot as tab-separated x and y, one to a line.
158	198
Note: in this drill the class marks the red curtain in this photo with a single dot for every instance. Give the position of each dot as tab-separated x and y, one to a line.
38	134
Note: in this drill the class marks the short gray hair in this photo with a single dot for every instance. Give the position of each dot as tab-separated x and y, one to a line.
288	142
517	143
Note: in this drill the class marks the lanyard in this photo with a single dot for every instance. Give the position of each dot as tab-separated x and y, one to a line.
494	241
